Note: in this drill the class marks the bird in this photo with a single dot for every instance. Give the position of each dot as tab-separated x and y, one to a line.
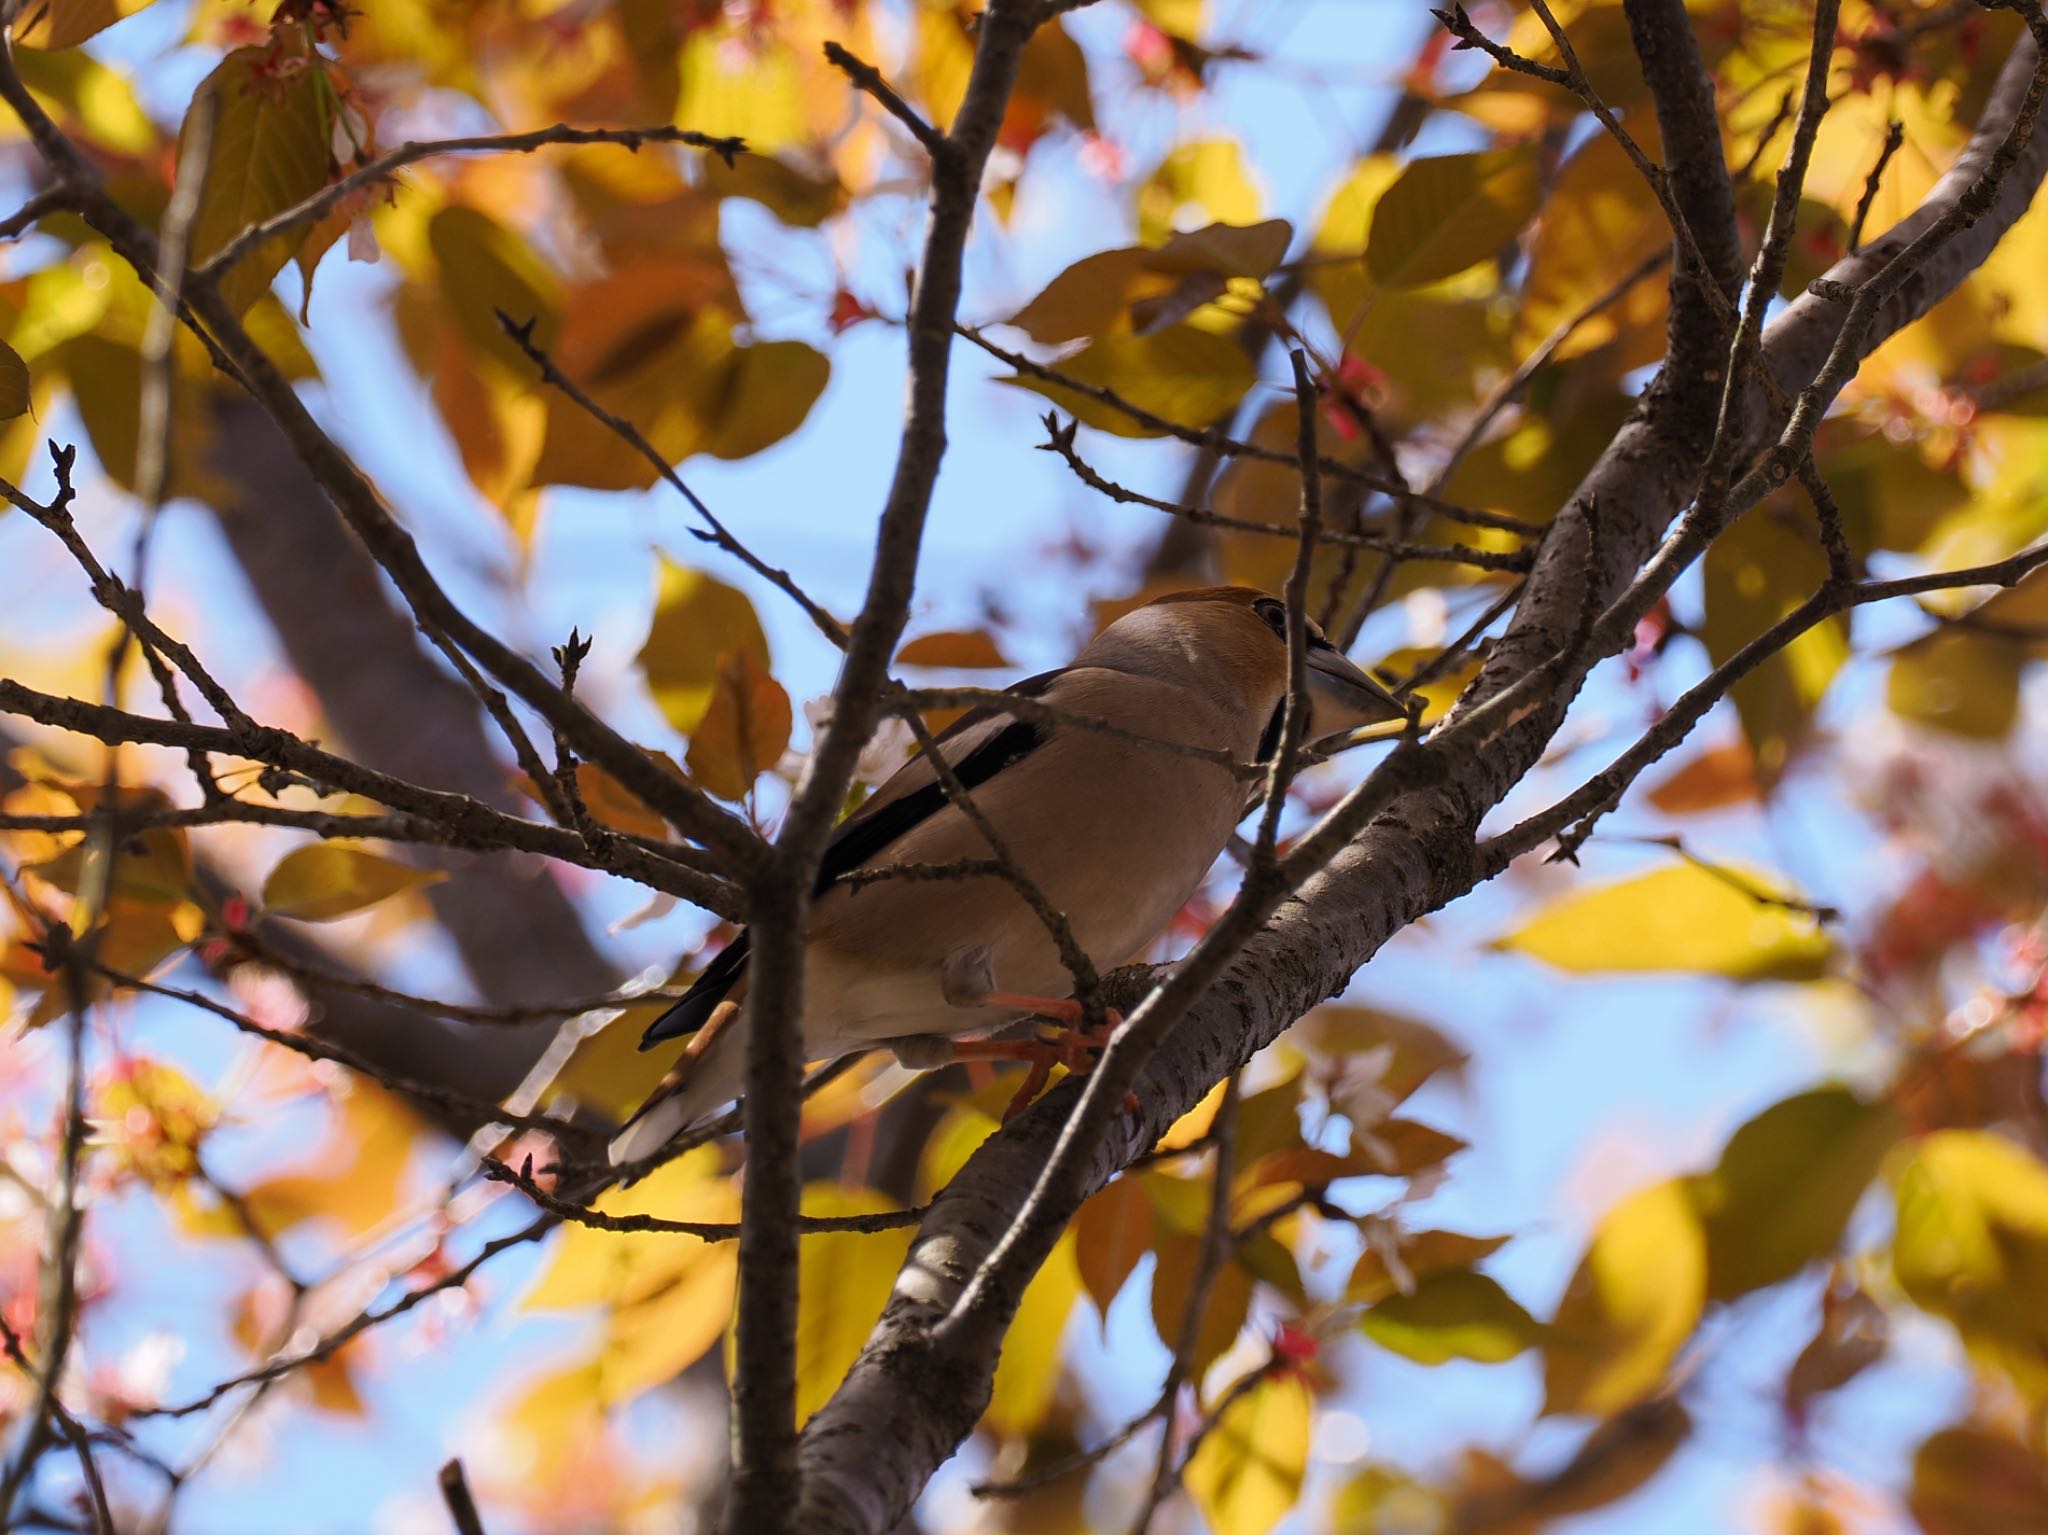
1116	833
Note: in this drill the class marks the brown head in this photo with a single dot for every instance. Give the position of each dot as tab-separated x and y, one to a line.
1231	643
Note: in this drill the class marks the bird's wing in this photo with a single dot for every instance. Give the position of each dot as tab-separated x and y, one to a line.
979	745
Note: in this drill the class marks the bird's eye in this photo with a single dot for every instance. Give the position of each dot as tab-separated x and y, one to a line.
1274	613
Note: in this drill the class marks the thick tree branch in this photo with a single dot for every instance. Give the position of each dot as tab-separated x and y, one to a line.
922	1380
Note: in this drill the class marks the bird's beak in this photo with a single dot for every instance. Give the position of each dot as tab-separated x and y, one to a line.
1343	696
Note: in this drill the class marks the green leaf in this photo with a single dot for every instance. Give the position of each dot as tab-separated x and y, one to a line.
1246	1474
1787	1184
698	620
1454	1314
13	383
1634	1300
1681	918
1186	375
335	879
268	152
1446	213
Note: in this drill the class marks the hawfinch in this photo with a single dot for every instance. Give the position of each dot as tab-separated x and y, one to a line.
1117	835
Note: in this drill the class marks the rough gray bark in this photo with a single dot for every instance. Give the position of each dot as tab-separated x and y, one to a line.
924	1376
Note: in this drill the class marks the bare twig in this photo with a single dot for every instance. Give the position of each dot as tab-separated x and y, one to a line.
868	78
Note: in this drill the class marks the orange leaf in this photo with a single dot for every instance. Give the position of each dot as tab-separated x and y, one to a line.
745	730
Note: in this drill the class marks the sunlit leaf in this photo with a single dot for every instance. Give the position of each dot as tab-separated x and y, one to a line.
959	649
744	732
67	23
1246	1475
697	621
268	151
1209	174
1715	779
336	879
1634	1300
1757	572
843	1280
1445	213
1229	1299
1422	1253
1452	1314
1032	1359
1971	1243
1186	375
1680	918
1787	1184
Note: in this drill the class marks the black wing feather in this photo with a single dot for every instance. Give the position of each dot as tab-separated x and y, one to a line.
859	838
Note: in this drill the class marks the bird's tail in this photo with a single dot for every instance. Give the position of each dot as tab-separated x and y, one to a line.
709	1075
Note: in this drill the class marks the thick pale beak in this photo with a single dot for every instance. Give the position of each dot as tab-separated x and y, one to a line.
1344	697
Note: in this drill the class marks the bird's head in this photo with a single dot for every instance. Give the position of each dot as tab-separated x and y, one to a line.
1232	641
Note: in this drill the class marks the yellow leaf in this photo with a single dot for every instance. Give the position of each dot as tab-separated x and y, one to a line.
956	649
669	1296
609	1071
1678	918
359	1171
268	151
1787	1185
484	269
13	383
153	1118
1246	1475
1635	1299
1971	1244
744	732
767	394
1208	174
698	620
1229	1301
1958	680
1600	222
843	1281
336	879
1186	375
1030	1367
1756	573
1452	1314
67	23
1449	212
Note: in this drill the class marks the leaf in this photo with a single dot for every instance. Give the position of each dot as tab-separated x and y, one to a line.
1970	1244
1032	1359
336	879
1089	298
1677	918
1414	1051
268	152
67	23
1755	573
1961	681
1112	1232
1717	778
1246	1476
13	383
1225	250
1978	1481
1635	1298
1230	1298
698	620
1452	1314
765	396
668	1296
1600	221
356	1173
1208	174
954	649
1186	375
744	732
843	1281
1422	1254
1448	212
1787	1184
